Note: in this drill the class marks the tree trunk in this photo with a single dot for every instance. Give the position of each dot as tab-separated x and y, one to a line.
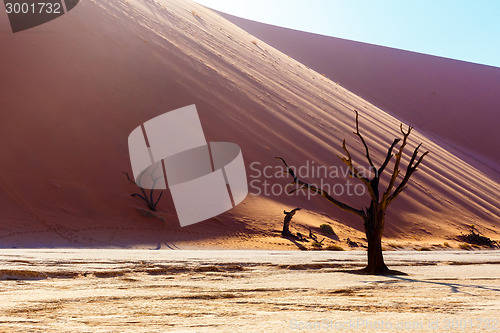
286	221
374	227
286	227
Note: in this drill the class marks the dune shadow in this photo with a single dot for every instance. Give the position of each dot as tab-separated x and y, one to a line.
200	20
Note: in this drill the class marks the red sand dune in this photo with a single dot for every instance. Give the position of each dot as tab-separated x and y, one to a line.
452	101
73	89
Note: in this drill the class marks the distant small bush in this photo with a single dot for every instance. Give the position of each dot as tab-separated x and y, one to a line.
424	249
446	244
464	246
476	239
327	229
254	42
195	14
334	247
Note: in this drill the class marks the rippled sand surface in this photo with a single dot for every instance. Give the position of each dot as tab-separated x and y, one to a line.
245	291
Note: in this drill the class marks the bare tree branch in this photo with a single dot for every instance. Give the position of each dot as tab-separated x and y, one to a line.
399	155
149	200
327	196
139	196
409	172
388	157
157	200
357	133
354	172
128	177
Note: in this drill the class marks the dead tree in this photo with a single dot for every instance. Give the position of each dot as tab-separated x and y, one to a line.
286	221
147	198
374	215
314	237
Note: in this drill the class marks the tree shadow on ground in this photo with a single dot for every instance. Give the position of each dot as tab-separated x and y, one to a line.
171	247
454	287
295	241
391	272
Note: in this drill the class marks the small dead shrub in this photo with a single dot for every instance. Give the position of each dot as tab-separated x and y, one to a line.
327	229
465	246
334	247
317	245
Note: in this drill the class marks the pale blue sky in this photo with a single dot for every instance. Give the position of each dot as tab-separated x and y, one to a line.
464	30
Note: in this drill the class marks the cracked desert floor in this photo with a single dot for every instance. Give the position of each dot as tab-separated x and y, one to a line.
246	291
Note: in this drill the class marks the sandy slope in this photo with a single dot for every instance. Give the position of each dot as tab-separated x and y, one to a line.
454	101
73	89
